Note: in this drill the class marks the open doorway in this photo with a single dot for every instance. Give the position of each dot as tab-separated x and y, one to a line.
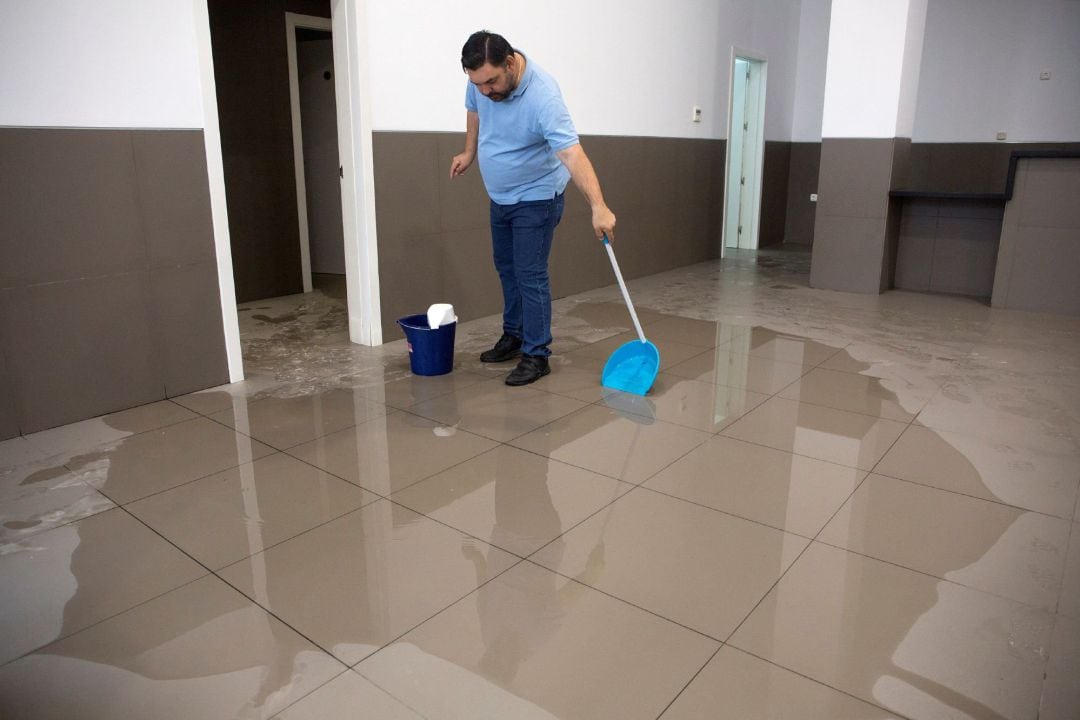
244	74
745	151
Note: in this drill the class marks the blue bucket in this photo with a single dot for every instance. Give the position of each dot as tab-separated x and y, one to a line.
431	351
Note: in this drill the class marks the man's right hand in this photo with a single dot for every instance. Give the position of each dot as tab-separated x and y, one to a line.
460	164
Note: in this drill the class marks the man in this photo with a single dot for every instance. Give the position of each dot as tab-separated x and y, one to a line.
517	122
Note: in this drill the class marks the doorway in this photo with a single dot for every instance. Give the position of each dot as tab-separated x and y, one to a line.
745	151
351	80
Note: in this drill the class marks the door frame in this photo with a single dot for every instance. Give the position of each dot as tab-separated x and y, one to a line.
759	66
354	100
292	22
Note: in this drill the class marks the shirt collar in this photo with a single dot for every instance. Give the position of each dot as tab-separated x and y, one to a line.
526	78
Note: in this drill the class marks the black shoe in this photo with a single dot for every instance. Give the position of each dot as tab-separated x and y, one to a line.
508	348
530	369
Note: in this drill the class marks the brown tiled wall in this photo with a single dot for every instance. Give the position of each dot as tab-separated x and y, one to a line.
1039	256
434	241
802	181
967	167
853	218
776	166
108	275
948	246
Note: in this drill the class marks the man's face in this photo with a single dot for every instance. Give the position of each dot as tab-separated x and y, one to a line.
494	82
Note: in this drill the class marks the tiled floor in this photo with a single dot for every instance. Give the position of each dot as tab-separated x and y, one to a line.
830	507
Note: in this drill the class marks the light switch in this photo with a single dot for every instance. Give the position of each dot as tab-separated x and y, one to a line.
1044	75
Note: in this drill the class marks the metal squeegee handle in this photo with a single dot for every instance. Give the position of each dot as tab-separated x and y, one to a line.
622	286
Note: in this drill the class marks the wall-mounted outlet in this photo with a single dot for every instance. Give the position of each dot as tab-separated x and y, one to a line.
1002	136
1044	75
813	197
695	114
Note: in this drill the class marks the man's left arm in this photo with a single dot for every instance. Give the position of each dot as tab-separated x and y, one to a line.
584	176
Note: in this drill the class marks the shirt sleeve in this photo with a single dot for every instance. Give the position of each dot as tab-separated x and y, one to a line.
470	97
556	125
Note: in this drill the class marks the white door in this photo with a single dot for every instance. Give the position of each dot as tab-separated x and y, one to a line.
745	151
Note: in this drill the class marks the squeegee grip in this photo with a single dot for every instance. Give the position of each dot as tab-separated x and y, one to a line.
622	286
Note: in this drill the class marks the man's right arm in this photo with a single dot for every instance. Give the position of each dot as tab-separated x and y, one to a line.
461	162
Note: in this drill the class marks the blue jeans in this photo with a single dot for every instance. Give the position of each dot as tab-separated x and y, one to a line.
521	240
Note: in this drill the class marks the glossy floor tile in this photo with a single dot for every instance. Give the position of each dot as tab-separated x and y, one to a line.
769	344
532	644
994	470
496	411
284	422
701	568
392	452
688	331
403	393
700	405
66	579
1070	590
349	697
736	686
236	513
35	511
772	487
871	499
200	651
69	439
515	500
622	445
740	371
838	436
918	646
1014	553
157	460
355	584
1061	690
858	393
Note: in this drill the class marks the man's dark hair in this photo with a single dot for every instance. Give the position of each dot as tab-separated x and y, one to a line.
485	47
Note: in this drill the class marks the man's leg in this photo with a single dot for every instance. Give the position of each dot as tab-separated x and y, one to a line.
534	227
502	245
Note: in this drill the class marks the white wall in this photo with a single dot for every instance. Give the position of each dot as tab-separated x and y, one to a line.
630	67
810	71
865	70
980	71
107	63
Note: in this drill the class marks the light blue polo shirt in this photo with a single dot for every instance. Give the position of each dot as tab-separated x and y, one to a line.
519	137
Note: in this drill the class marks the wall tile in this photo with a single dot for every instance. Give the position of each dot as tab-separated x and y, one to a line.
848	254
1052	198
187	325
915	253
964	259
174	196
9	422
85	349
855	177
463	202
1046	264
802	181
70	205
775	175
407	183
